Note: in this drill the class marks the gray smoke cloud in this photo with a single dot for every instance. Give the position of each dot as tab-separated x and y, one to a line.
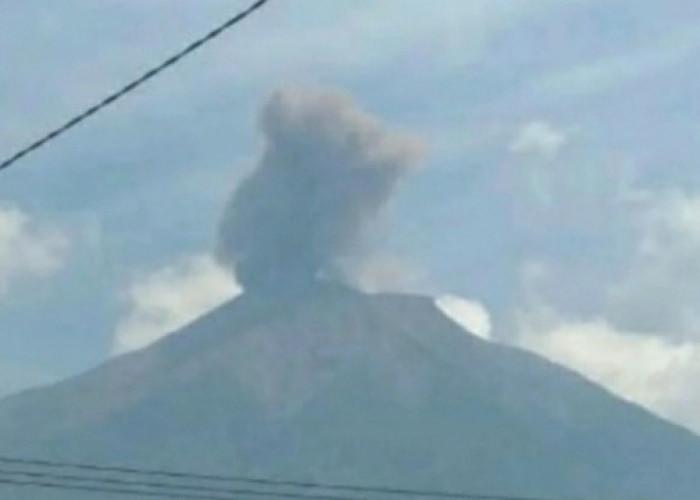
327	169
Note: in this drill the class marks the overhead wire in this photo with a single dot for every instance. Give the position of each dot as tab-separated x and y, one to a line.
195	491
103	489
120	491
131	86
263	482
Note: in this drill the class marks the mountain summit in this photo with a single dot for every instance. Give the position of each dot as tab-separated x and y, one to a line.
337	386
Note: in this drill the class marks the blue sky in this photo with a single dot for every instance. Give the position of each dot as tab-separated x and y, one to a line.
559	188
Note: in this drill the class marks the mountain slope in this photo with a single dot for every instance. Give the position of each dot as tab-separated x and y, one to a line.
338	386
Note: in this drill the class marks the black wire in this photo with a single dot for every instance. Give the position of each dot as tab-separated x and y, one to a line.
265	482
198	490
165	485
131	86
100	489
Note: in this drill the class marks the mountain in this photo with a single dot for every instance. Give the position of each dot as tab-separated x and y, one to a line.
337	386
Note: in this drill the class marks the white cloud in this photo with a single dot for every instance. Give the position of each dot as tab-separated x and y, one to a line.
651	371
470	315
645	346
27	247
609	72
168	299
538	138
534	147
661	291
368	35
645	343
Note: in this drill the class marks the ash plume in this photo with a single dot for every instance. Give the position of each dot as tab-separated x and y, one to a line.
327	169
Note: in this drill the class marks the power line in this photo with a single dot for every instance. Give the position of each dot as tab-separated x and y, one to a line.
308	485
101	489
106	489
112	98
189	490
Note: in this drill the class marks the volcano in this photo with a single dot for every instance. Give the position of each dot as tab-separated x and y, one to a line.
337	386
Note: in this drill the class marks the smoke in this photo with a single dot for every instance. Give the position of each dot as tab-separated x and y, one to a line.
327	169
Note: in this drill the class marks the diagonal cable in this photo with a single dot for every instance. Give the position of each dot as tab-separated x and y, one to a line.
112	98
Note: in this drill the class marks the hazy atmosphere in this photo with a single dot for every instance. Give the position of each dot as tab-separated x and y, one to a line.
530	164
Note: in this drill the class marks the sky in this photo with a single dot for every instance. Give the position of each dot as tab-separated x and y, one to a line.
556	205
